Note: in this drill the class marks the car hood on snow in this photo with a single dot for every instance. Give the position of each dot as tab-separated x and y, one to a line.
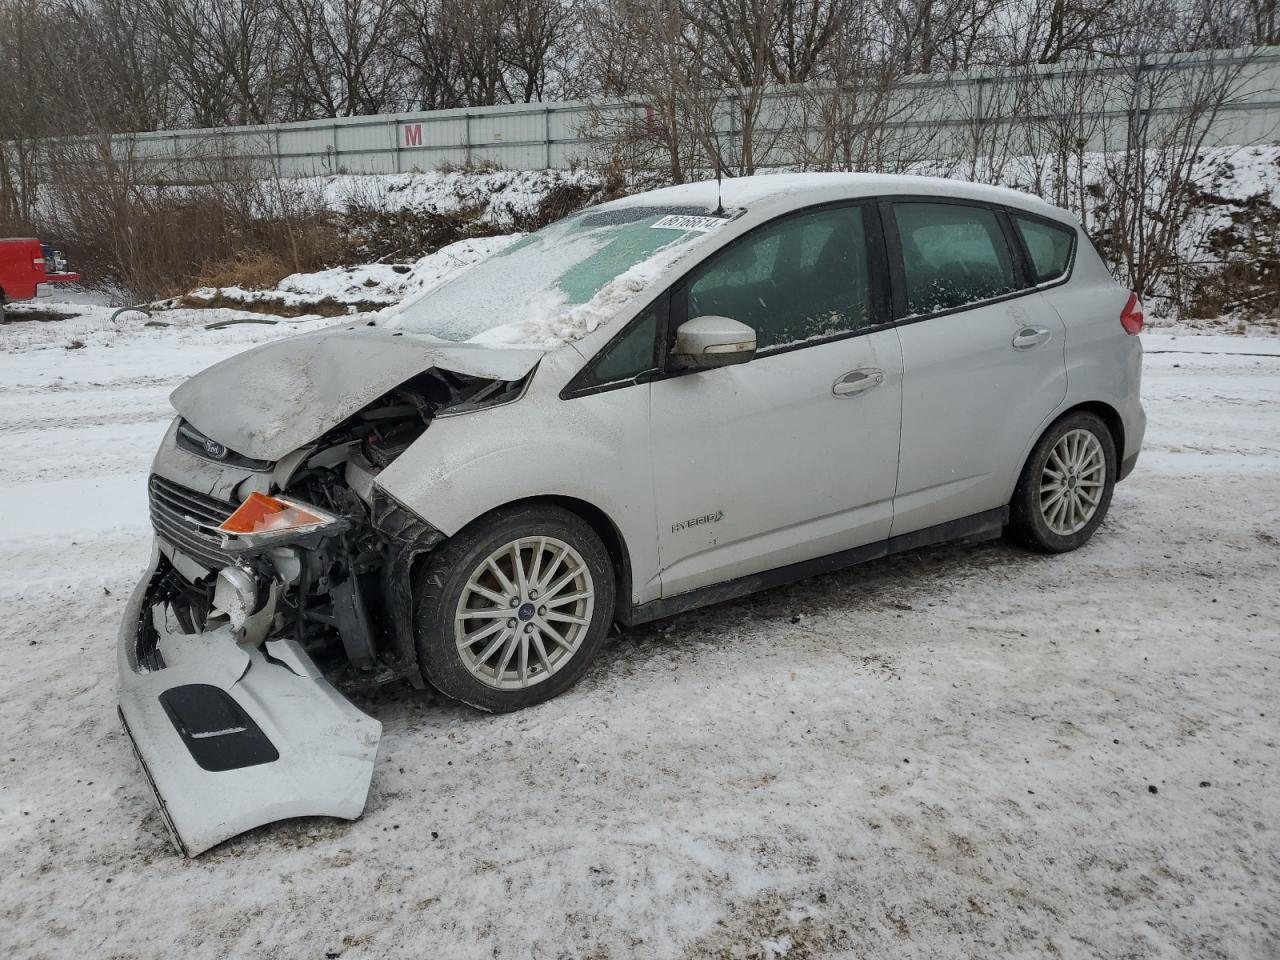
274	398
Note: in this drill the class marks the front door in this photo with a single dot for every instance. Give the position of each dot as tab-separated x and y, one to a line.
792	455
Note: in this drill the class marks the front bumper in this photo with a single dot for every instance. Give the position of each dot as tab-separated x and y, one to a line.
232	736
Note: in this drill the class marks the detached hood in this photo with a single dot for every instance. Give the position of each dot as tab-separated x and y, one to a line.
274	398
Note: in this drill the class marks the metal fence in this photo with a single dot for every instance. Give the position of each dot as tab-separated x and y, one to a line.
951	113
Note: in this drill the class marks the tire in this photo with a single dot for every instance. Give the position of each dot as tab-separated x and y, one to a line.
459	587
1054	518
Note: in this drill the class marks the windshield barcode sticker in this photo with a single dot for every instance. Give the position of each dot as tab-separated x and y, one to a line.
681	222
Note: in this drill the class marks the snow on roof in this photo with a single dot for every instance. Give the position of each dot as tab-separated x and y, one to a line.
795	189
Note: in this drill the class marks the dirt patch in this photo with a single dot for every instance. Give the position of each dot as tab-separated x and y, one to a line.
35	316
328	307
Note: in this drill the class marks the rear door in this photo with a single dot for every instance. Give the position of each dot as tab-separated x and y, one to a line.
983	360
792	455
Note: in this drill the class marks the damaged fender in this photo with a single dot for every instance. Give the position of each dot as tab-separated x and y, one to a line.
231	735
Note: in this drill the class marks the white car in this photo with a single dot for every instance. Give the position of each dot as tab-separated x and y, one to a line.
661	402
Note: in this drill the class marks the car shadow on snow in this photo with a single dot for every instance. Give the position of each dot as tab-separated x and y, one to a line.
902	582
906	581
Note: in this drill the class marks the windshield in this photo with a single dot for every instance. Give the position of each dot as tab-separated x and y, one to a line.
561	282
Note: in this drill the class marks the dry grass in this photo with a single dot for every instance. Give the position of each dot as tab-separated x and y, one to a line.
247	269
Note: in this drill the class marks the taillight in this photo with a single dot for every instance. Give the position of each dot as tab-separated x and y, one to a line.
1131	316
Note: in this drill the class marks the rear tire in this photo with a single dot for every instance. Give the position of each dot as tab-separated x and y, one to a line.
511	611
1066	485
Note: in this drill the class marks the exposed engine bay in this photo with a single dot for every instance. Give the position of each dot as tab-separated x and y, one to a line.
279	575
341	589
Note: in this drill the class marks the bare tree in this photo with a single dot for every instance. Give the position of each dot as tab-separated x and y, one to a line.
534	29
340	61
1264	19
28	47
641	53
1150	163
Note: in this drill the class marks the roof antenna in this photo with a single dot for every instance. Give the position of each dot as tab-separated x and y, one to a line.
719	175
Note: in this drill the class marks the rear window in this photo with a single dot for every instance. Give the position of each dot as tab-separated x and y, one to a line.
1050	247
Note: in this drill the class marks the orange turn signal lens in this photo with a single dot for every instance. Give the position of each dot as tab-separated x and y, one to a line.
260	513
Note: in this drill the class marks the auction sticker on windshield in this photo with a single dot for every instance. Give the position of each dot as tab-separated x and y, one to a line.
682	222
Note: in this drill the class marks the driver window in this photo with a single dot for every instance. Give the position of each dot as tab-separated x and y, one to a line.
803	278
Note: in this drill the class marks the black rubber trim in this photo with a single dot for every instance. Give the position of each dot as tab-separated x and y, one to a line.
979	526
216	729
1127	465
174	837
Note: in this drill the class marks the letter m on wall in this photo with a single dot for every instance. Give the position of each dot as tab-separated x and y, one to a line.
412	134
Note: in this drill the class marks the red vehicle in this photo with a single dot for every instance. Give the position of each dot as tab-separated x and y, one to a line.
27	263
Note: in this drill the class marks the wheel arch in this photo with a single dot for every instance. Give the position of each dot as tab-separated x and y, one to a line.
603	526
1108	414
1104	411
614	542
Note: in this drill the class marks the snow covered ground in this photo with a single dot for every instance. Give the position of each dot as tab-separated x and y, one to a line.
966	751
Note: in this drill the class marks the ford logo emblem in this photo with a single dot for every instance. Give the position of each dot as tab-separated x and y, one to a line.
214	449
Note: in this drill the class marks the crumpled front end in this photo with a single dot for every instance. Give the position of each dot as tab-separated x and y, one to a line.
232	735
276	570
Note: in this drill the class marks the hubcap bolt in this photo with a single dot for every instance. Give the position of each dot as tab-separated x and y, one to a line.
511	622
528	628
515	602
533	594
542	611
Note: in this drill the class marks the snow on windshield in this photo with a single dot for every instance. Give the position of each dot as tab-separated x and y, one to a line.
563	281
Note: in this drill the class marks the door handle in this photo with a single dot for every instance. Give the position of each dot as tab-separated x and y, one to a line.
857	381
1030	337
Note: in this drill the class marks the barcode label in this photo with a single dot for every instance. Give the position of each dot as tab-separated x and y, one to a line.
682	222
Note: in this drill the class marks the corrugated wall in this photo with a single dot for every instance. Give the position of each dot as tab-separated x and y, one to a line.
939	116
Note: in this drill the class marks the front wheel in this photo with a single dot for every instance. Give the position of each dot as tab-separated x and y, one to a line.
1066	485
512	610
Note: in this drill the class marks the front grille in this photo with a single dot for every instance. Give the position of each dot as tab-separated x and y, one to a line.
186	520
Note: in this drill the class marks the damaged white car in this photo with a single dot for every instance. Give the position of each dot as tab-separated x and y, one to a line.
661	402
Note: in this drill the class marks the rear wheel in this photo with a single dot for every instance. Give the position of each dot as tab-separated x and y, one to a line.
511	611
1065	488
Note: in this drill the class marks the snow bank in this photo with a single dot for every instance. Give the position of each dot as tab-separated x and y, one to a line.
498	195
1227	177
367	286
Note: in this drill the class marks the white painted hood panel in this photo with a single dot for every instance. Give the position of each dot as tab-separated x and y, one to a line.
270	400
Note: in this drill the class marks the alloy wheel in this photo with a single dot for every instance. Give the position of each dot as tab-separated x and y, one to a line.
524	612
1072	482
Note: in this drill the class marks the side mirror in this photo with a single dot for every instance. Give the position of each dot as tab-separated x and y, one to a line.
705	342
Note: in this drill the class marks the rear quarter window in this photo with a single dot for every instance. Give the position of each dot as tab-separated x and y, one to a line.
1049	246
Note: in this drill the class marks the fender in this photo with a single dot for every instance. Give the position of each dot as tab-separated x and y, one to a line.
466	465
